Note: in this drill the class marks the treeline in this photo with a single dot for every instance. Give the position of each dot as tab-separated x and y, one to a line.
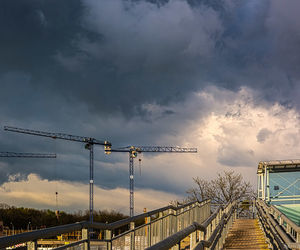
28	218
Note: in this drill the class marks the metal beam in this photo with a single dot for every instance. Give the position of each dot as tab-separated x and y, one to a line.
26	155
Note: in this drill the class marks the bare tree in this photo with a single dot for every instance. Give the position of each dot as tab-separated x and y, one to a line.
227	186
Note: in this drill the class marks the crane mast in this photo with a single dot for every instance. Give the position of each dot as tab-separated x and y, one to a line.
134	151
89	145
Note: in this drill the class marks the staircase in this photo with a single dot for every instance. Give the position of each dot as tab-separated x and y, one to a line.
246	234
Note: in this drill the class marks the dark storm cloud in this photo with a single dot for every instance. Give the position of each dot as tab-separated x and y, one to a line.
263	135
34	30
234	157
80	67
116	55
115	69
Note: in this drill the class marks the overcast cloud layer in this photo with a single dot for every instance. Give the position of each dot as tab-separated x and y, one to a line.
222	76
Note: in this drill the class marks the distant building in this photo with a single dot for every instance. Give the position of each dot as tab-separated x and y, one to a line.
279	184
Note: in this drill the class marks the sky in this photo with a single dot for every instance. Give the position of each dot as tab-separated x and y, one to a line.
219	75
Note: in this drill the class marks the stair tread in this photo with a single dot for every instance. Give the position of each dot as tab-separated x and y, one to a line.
245	234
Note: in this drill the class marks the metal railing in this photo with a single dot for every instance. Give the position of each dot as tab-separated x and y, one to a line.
279	229
169	221
210	234
159	224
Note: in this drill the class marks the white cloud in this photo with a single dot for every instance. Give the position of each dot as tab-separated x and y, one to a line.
73	196
226	136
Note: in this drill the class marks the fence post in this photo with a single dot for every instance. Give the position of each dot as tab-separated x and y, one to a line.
176	247
148	230
160	229
193	239
170	222
298	237
32	245
85	236
176	221
108	235
132	236
201	235
207	212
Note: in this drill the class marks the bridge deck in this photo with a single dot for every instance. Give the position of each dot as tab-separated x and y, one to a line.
245	234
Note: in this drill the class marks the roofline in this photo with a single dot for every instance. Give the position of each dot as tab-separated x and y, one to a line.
279	165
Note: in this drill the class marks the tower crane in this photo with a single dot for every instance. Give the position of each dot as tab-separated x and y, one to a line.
26	155
89	145
133	153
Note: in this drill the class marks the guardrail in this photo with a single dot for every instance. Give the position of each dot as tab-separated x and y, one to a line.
210	234
160	224
281	231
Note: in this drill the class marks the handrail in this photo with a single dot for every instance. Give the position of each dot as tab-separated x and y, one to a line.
275	234
177	237
283	216
212	241
38	234
126	221
71	244
53	231
281	236
218	230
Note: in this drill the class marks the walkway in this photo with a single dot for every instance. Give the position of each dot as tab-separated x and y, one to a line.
245	234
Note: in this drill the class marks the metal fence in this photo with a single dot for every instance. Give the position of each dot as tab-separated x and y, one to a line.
167	223
138	232
210	234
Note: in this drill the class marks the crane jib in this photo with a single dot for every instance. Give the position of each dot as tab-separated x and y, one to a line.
154	149
133	152
26	155
58	136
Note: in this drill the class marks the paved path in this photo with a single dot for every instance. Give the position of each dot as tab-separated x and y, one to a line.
245	234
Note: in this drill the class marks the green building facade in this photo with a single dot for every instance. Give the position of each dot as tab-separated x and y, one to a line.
279	184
